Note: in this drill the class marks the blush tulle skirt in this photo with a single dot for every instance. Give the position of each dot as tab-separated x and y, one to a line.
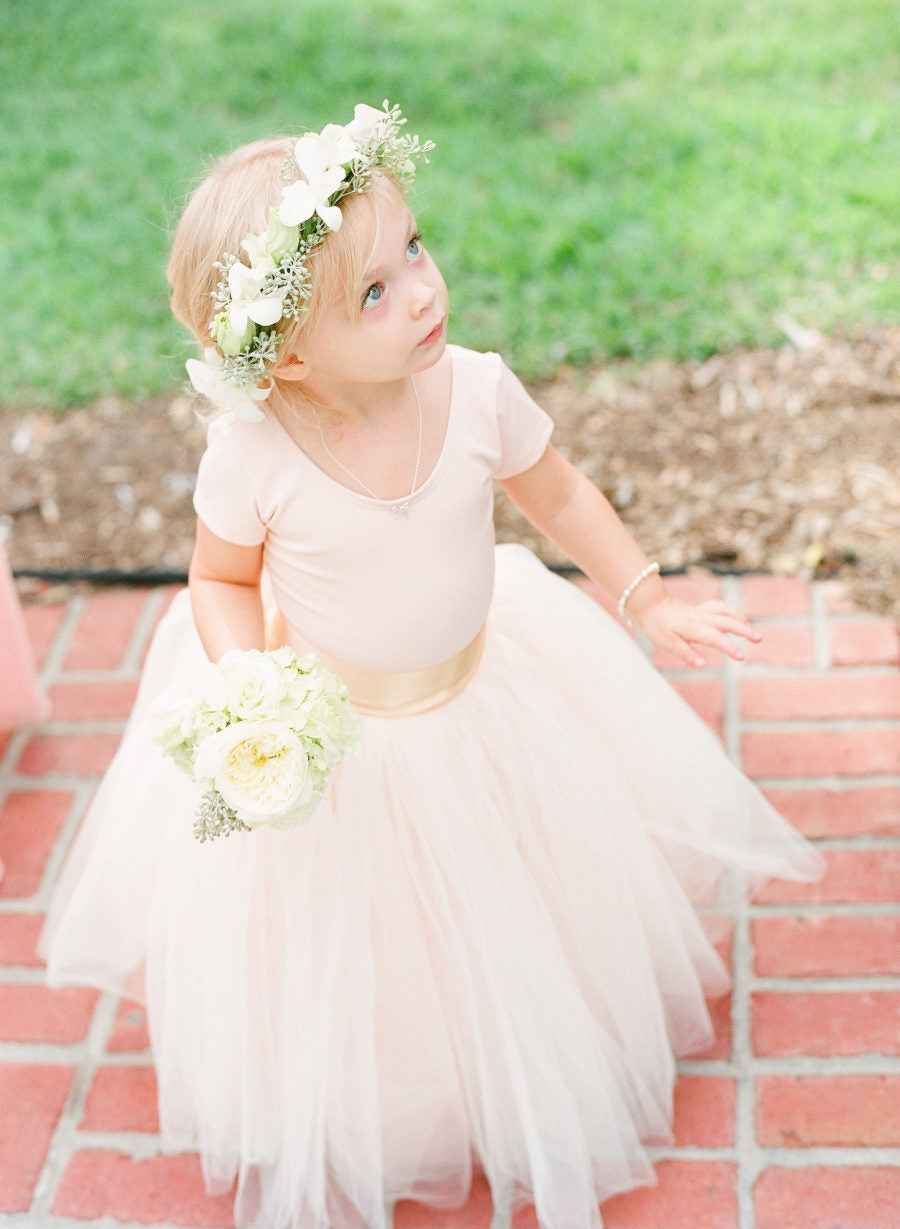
481	952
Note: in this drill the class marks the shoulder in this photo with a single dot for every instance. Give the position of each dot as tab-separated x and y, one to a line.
478	374
249	444
466	361
240	452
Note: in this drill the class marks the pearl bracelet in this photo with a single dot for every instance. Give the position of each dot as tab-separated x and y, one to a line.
627	592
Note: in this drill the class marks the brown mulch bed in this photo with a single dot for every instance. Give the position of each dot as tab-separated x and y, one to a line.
784	460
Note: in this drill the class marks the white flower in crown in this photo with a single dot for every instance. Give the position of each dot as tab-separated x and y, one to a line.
266	250
365	121
207	378
247	299
322	158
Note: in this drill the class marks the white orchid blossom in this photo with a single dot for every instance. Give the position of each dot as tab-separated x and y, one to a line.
333	146
365	121
247	298
312	195
207	378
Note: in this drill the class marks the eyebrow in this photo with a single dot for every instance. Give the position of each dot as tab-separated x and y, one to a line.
374	272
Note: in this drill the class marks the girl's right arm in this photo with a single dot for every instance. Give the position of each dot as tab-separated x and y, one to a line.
225	594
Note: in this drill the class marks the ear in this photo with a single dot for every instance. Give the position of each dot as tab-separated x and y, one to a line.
292	367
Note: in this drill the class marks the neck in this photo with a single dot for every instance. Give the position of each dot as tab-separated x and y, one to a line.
355	403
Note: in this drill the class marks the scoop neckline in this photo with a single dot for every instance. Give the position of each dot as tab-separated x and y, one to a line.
368	500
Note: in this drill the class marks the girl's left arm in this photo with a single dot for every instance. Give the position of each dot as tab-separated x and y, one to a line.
568	509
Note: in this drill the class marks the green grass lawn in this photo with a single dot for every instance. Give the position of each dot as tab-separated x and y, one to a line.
612	177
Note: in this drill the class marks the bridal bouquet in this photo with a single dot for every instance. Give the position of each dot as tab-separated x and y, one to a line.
260	733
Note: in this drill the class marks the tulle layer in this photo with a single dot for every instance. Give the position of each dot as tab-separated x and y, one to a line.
480	951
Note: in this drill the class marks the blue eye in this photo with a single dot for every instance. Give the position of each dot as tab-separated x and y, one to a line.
373	295
414	247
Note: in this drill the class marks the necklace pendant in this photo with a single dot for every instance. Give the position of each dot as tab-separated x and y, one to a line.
401	510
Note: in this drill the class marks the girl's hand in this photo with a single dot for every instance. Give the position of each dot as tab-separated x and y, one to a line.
680	627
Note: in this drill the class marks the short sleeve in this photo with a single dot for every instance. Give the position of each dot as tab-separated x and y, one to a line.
525	429
223	497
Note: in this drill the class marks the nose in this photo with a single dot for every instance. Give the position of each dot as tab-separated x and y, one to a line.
422	298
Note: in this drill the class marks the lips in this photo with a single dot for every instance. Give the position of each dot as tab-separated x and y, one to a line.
433	335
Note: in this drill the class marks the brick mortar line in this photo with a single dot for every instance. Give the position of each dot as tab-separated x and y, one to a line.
141	634
829	1065
741	963
26	1220
57	781
834	783
13	750
81	797
62	1143
820	725
106	675
59	646
833	1158
800	911
819	620
63	1054
707	1066
139	1145
691	1152
774	670
854	984
863	840
89	725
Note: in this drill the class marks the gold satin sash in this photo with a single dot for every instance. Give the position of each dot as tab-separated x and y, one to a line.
390	693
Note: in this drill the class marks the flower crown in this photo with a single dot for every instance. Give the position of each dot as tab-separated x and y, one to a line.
250	300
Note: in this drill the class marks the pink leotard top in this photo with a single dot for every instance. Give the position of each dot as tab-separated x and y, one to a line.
360	582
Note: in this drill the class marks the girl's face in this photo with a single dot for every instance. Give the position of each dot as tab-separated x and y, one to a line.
399	323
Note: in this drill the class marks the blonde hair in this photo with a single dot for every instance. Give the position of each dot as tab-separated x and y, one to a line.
232	201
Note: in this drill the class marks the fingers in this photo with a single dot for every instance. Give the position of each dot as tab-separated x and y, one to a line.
712	627
727	619
685	629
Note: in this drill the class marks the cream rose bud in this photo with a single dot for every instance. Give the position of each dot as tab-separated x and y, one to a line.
278	240
259	768
230	340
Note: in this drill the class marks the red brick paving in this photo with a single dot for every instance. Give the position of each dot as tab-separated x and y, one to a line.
789	1121
820	1198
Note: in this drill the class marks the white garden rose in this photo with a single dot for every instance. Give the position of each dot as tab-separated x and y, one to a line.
260	769
255	687
260	734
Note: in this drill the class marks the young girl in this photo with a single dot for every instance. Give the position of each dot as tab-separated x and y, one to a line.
480	951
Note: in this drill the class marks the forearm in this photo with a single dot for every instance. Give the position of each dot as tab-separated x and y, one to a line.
588	530
565	506
228	615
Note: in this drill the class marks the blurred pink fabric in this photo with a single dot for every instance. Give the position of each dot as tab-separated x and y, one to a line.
21	698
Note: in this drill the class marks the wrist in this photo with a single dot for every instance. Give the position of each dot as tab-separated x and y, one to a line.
643	591
651	594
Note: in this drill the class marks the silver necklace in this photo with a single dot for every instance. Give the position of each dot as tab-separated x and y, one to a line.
401	509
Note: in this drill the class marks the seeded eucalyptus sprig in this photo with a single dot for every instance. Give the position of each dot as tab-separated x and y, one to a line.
216	818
